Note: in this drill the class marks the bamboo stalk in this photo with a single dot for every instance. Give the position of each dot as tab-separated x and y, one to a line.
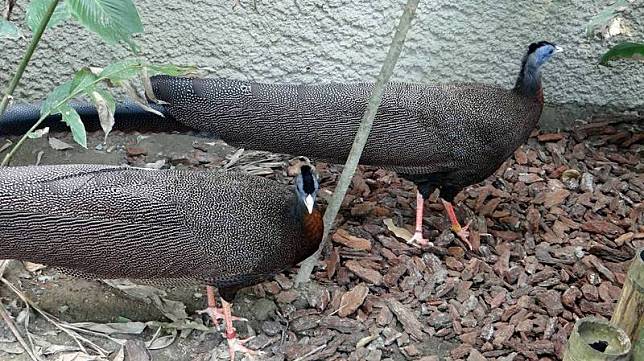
629	312
593	339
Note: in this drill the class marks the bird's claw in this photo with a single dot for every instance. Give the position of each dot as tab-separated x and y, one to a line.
237	345
217	314
463	233
418	240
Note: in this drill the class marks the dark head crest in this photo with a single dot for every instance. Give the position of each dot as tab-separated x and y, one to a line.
534	46
308	182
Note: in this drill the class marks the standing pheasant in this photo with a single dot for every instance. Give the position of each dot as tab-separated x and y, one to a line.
225	230
438	136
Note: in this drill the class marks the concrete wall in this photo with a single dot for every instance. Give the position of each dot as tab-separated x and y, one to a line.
346	40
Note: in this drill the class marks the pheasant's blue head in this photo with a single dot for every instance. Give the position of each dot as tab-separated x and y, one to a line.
307	186
542	51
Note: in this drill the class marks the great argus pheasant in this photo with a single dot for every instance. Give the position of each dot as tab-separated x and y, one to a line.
225	230
438	136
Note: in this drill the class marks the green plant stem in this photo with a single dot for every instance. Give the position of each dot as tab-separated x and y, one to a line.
360	140
27	57
14	149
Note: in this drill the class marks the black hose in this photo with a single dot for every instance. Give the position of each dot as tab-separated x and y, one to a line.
128	116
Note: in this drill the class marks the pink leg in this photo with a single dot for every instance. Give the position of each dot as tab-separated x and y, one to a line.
461	232
235	344
215	313
418	239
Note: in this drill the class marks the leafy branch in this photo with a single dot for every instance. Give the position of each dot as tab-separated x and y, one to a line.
361	137
624	50
86	82
39	30
113	20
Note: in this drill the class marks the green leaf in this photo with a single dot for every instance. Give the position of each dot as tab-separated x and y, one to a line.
36	12
73	120
171	69
112	20
623	51
121	70
8	30
59	95
83	79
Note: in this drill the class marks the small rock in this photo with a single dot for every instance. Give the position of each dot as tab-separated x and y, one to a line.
551	301
343	237
429	358
529	178
352	300
469	338
503	333
363	209
407	318
393	275
439	320
460	352
287	296
384	316
284	281
263	309
476	356
367	274
521	157
411	350
304	323
602	227
133	150
608	292
570	296
590	292
344	325
272	328
555	198
550	137
587	183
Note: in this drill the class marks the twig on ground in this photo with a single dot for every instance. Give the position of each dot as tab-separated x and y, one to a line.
12	327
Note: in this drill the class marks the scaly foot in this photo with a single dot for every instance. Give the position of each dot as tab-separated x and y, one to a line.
463	233
237	345
418	240
217	314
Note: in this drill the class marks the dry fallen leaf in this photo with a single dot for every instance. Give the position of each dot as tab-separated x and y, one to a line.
58	144
397	231
33	267
161	342
79	356
131	328
38	133
11	348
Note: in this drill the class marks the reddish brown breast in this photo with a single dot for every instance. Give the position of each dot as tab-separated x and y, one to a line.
313	229
540	95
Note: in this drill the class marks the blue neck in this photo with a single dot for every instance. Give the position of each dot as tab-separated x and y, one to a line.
529	80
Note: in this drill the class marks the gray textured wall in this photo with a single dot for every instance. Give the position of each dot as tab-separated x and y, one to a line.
345	40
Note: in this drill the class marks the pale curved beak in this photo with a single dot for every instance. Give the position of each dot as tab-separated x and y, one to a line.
308	201
558	49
